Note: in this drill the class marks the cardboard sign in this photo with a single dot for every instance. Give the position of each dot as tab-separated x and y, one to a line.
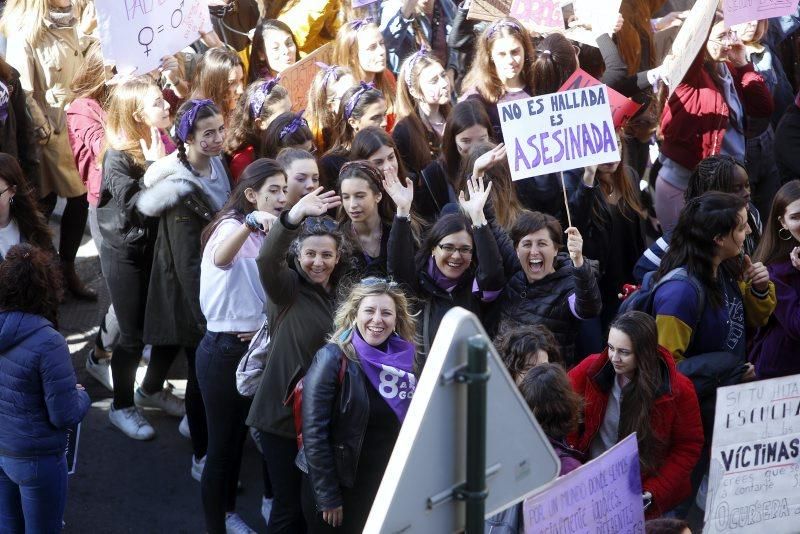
73	437
136	34
489	10
622	107
539	13
297	78
558	131
739	11
604	495
754	481
690	39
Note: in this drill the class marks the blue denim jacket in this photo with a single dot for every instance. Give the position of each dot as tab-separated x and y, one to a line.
398	32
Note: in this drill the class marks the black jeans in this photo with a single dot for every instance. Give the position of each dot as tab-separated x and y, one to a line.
73	223
127	274
226	411
286	479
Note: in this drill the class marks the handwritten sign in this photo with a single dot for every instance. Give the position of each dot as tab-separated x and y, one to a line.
489	10
738	11
136	34
540	13
594	17
622	107
690	39
297	78
558	131
754	483
71	452
604	495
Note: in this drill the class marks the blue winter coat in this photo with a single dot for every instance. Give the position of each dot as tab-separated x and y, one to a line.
38	399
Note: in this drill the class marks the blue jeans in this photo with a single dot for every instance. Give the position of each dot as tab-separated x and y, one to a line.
33	494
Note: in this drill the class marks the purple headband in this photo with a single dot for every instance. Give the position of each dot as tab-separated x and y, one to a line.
360	23
260	96
419	54
328	70
353	101
187	119
297	122
502	24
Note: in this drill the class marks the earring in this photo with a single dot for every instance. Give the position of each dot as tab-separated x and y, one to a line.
781	235
11	201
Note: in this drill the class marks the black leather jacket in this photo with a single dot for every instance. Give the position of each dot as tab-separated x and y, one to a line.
334	424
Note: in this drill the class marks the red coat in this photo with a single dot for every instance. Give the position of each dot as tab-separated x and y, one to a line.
682	434
695	118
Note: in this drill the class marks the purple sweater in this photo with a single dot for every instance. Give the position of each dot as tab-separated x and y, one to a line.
776	347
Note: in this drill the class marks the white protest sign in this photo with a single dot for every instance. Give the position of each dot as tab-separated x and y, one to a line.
690	39
739	11
136	34
754	482
558	131
602	496
594	16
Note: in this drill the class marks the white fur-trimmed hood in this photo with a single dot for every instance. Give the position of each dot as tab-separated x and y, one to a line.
166	183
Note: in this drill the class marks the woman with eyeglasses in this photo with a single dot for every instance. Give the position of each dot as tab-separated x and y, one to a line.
633	386
355	396
300	290
457	264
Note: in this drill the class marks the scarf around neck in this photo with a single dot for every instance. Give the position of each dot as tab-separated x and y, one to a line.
61	17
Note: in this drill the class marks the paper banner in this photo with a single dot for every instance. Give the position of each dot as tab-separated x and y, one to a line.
489	10
754	482
622	107
558	131
604	495
738	11
298	77
136	34
538	13
597	13
690	40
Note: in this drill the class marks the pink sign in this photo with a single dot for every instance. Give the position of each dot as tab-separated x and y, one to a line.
739	11
543	13
622	107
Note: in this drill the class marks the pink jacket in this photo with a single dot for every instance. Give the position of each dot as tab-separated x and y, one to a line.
85	119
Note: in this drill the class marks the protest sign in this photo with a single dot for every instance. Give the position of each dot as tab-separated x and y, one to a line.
604	495
136	34
690	39
489	10
754	481
297	78
71	451
362	3
622	107
594	17
558	131
539	13
738	11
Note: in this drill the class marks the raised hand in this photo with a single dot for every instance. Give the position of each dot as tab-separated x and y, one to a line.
794	255
401	195
478	195
575	246
155	150
757	274
488	159
313	204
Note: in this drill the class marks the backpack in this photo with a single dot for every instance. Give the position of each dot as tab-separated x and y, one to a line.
642	298
295	398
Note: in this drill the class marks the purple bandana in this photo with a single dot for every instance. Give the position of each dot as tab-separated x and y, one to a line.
502	24
4	96
187	119
328	70
419	54
352	102
297	122
260	96
360	23
390	372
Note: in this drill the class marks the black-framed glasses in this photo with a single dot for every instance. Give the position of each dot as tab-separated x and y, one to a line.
452	249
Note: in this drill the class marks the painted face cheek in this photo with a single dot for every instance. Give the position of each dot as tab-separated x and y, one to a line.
204	145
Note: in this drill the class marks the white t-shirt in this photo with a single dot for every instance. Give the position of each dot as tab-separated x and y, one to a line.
9	236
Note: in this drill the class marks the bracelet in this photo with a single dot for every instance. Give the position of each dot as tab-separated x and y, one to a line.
252	223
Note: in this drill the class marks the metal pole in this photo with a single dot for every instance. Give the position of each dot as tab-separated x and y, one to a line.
475	488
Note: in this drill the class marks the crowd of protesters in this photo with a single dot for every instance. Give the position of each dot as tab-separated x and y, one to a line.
342	234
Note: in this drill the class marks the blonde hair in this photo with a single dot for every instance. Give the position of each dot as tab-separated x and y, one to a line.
345	53
320	117
344	320
25	17
90	79
122	128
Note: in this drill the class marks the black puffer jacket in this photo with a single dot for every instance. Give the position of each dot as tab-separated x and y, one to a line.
546	302
334	425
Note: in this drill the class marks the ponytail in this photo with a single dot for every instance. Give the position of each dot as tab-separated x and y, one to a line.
556	60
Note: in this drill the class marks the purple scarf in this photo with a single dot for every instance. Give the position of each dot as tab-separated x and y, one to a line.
390	371
446	284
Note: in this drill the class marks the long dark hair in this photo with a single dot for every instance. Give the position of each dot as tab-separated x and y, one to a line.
640	394
24	210
371	139
237	206
503	196
772	248
446	225
343	132
204	112
692	243
555	62
30	282
279	134
364	170
257	65
465	115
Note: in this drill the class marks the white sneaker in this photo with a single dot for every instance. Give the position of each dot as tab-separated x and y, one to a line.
164	400
266	509
131	422
197	467
100	371
183	428
234	524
